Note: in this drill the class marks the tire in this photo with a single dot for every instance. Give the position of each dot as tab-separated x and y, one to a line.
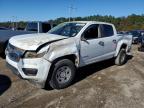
121	58
63	74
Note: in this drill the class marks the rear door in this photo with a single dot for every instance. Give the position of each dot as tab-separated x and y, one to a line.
109	39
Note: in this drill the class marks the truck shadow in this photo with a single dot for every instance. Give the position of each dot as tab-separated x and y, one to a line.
88	70
2	55
5	83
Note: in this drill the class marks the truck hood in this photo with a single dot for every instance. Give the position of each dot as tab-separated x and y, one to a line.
33	41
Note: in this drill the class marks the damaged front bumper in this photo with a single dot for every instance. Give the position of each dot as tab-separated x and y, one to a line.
35	70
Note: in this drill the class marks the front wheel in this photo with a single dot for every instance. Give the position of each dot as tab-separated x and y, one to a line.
62	74
121	58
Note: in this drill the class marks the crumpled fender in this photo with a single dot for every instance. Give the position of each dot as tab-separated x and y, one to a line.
62	48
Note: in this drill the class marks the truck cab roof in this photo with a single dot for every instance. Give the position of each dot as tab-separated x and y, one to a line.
90	22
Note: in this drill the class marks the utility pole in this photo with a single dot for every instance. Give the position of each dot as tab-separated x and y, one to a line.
14	23
71	8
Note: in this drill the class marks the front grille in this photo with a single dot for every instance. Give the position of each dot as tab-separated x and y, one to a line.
14	53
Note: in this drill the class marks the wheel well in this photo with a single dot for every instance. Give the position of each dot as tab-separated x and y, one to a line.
123	46
71	57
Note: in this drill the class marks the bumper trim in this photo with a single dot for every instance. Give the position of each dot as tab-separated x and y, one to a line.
14	70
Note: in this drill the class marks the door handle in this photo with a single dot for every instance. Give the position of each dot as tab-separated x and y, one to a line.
101	43
114	41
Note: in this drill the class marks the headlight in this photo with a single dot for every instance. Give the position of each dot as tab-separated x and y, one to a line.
31	54
39	54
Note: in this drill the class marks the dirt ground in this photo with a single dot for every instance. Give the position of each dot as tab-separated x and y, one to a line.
100	85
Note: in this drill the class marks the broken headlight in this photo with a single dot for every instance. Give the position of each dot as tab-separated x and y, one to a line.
39	54
32	54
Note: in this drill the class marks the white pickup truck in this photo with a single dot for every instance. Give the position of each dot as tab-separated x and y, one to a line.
52	58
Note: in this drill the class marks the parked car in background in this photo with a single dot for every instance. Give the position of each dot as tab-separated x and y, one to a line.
38	27
52	58
32	27
136	36
141	43
141	32
123	32
4	28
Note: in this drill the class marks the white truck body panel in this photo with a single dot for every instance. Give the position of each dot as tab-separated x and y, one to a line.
33	41
57	46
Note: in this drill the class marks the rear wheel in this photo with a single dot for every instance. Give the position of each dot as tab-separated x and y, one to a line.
63	74
121	58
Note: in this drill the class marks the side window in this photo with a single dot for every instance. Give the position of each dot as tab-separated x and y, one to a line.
92	32
46	27
106	30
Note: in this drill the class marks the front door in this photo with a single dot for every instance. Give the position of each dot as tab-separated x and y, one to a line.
92	46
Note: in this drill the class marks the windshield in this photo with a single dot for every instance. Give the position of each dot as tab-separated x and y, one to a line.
67	29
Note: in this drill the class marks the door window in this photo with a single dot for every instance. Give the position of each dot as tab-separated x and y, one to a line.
92	32
106	30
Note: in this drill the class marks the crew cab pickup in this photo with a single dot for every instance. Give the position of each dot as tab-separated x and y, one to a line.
52	58
31	27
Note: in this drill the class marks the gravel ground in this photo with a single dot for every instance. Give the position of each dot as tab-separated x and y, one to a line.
100	85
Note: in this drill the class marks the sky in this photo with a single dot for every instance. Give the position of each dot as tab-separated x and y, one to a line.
43	10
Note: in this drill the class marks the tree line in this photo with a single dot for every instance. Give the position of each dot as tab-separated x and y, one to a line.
131	22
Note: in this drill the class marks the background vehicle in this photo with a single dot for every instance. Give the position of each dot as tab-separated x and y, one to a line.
32	27
136	36
123	32
141	43
52	58
4	28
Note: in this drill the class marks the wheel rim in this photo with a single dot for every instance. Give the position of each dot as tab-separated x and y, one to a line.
63	74
123	57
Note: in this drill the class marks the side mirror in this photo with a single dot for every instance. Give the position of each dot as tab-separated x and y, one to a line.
84	39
